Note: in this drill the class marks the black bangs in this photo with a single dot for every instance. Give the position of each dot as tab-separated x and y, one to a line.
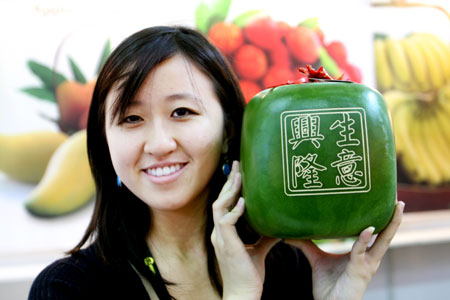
141	59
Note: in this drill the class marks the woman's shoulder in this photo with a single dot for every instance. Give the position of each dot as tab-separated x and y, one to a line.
85	275
70	275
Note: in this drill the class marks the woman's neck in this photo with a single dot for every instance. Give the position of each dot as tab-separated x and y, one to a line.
180	232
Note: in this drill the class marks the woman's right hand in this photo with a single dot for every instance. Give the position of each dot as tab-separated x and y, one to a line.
241	267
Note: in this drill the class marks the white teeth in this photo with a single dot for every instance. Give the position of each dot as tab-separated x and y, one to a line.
164	171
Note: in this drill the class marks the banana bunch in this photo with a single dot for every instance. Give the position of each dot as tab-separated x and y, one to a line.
419	62
421	123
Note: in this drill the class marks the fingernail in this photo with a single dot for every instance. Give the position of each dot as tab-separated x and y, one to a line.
402	205
371	229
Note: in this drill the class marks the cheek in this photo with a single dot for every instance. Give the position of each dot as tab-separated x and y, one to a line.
123	152
209	140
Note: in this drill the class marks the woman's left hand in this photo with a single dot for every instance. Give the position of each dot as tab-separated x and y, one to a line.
241	266
347	276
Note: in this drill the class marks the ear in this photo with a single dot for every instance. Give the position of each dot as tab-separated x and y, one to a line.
227	135
225	143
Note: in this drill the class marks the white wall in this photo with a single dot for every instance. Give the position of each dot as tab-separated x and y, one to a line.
413	273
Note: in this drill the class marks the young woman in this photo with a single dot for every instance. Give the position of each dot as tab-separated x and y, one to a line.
165	117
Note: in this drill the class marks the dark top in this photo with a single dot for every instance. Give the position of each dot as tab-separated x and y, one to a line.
85	276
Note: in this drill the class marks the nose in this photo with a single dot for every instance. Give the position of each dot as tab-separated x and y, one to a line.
160	140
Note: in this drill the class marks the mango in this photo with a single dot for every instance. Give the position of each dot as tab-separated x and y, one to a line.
24	157
67	184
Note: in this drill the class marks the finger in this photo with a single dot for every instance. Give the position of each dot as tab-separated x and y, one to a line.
360	246
384	239
228	195
226	228
264	245
231	217
312	252
222	205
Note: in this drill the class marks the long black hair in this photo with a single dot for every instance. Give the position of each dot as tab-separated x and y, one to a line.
120	220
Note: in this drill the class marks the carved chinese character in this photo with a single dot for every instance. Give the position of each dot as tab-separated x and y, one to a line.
305	128
346	131
346	166
307	168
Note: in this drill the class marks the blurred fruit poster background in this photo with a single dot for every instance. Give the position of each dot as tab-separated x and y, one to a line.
412	67
52	51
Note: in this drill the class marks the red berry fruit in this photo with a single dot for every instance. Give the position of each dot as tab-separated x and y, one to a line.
277	76
249	89
263	32
353	73
338	52
280	56
303	44
226	36
250	62
283	28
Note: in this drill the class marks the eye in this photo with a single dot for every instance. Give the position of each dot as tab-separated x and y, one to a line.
182	112
133	119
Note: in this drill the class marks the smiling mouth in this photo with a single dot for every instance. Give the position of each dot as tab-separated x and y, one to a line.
164	171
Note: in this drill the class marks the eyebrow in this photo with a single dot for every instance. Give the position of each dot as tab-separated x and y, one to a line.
185	96
172	97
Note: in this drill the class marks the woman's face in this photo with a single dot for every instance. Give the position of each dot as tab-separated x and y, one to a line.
168	146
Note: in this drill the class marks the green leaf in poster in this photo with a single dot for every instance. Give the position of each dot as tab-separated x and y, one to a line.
77	74
41	93
311	23
105	53
49	78
328	63
210	12
246	17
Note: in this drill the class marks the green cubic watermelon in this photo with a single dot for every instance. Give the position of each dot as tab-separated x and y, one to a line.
318	160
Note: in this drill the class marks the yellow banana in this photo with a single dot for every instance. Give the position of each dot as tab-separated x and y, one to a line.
382	68
406	151
434	142
67	183
398	62
24	157
417	64
396	98
425	159
441	50
443	127
435	73
443	95
442	115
